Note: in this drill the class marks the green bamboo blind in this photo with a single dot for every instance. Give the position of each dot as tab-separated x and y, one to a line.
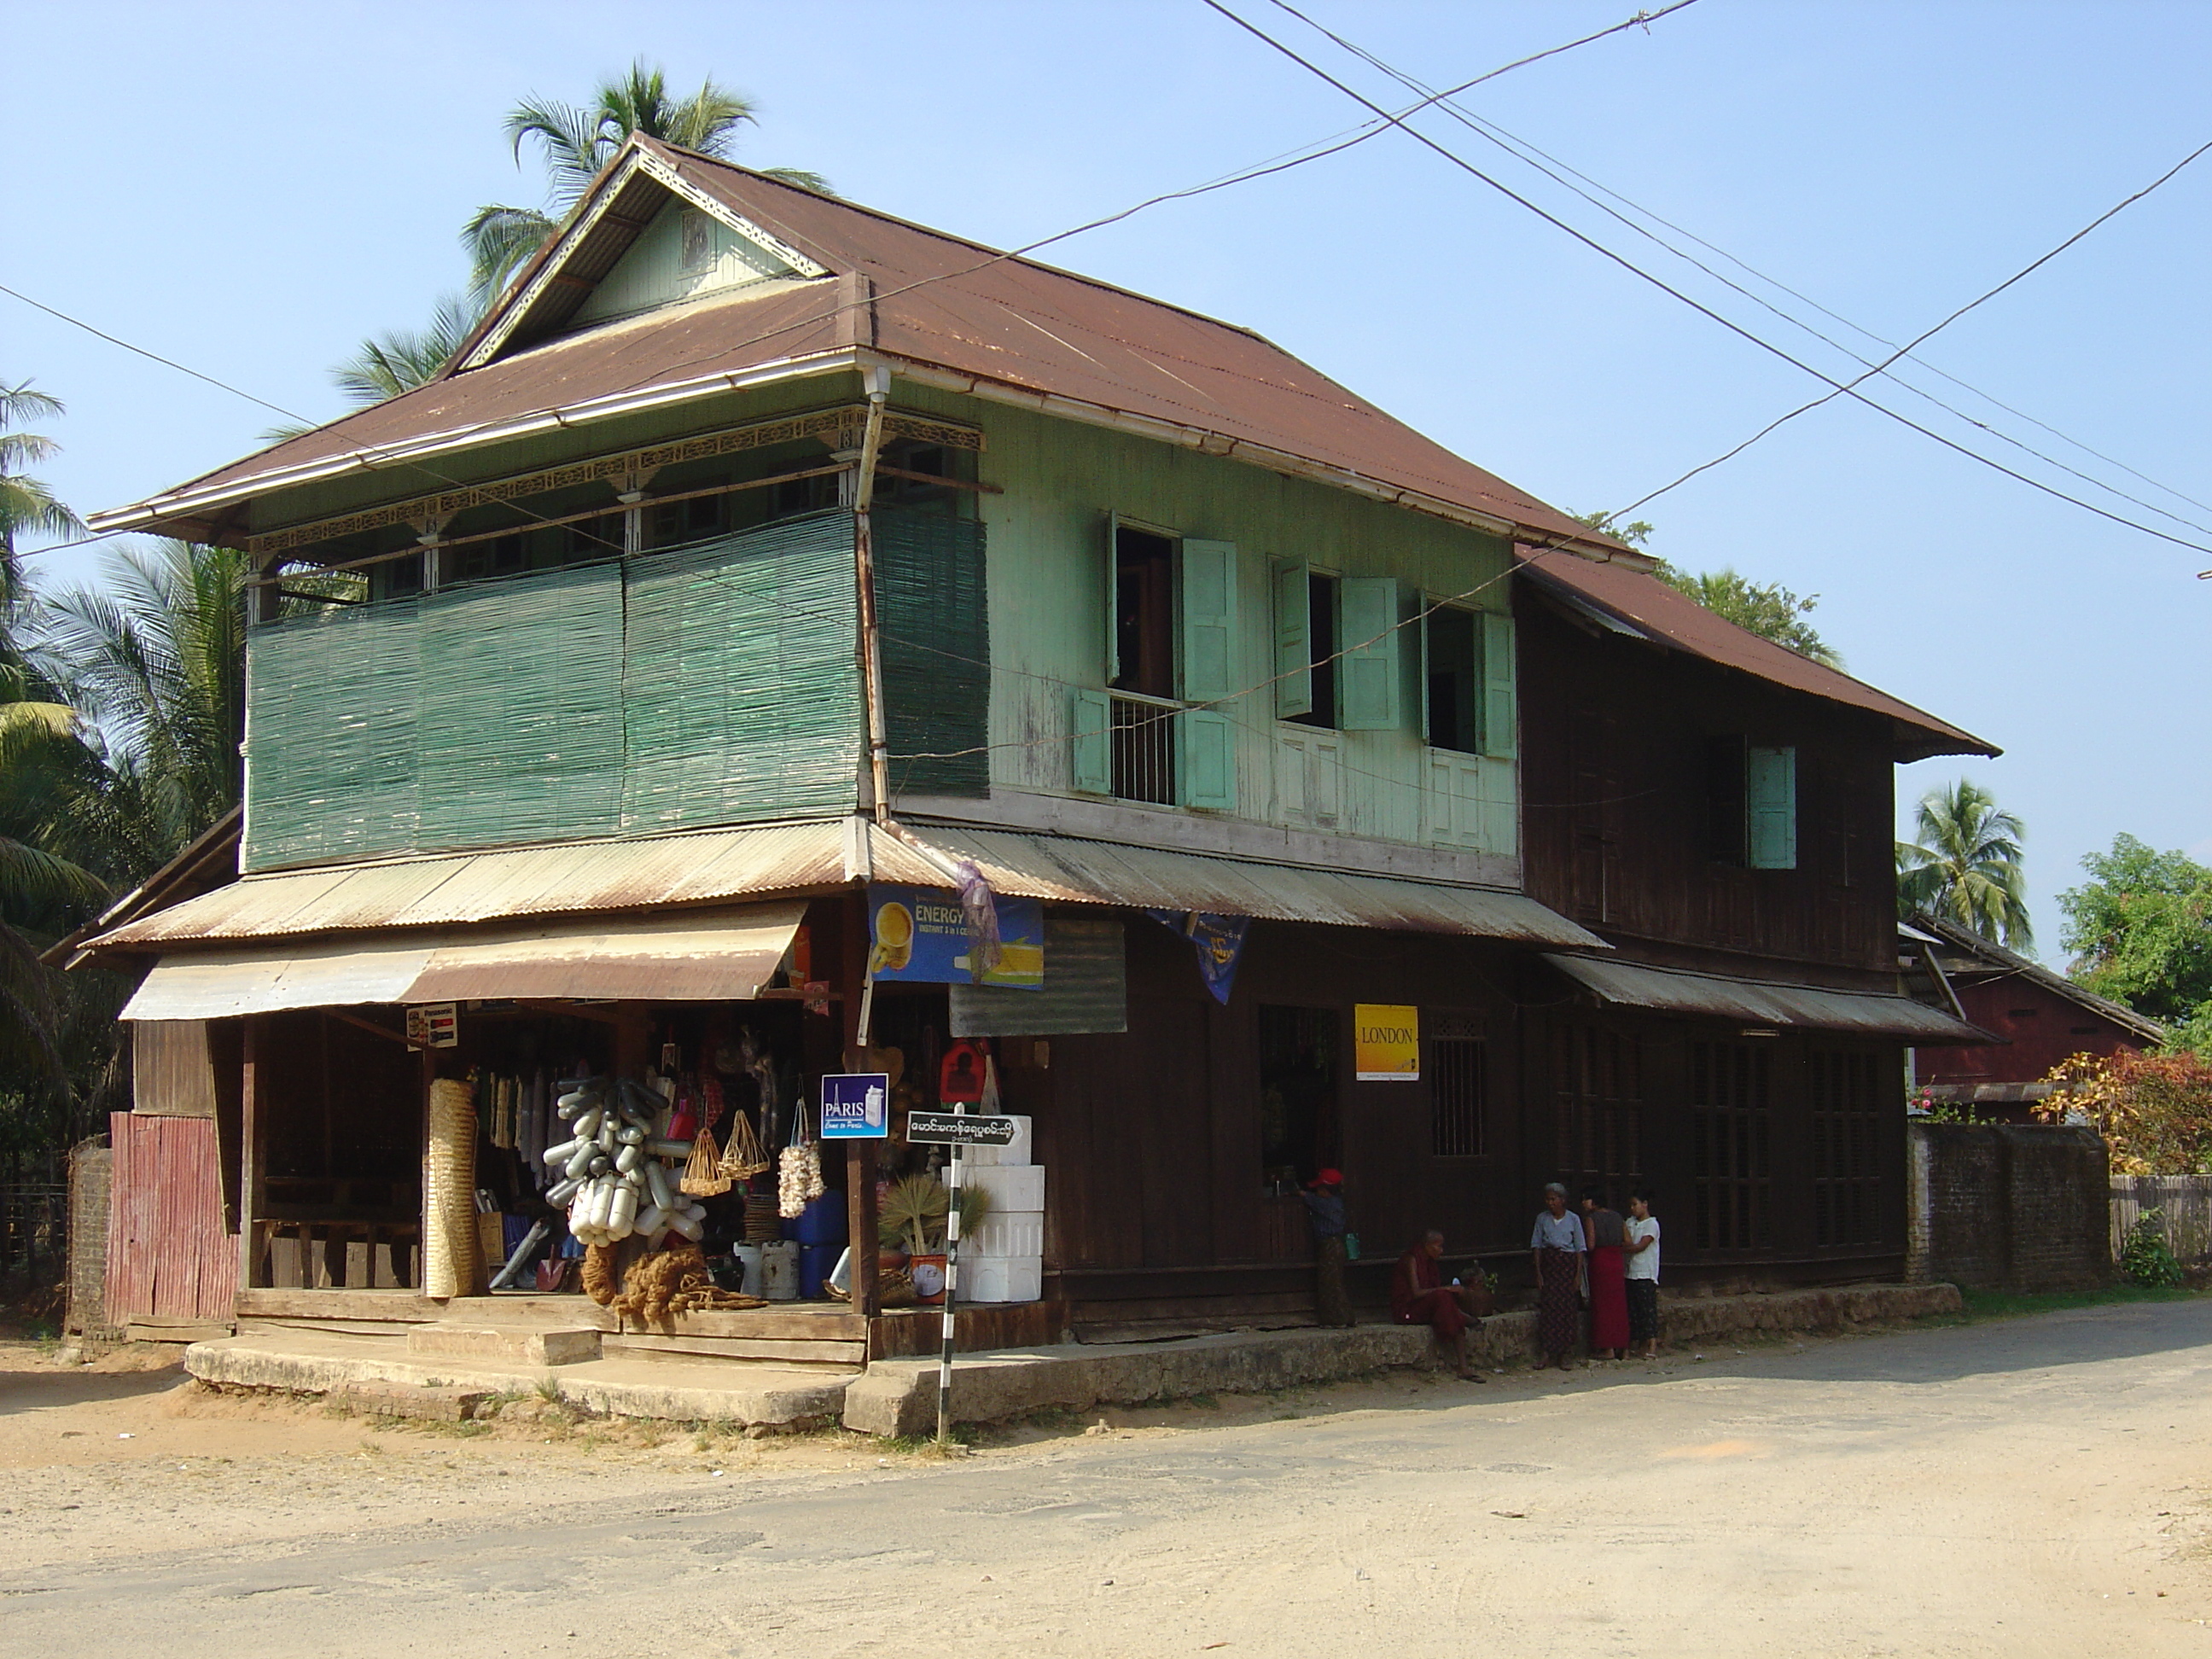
935	615
708	685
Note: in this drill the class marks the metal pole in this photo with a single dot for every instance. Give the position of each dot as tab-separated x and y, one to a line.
952	1284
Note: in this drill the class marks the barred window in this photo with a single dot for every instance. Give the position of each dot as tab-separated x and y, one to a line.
1458	1090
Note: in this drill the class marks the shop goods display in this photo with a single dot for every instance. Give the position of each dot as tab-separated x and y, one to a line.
799	1176
616	1179
703	1176
742	1156
658	1285
449	1239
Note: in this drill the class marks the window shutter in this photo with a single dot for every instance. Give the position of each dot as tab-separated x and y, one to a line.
1090	726
1771	802
1209	620
1367	634
1500	705
1110	642
1293	641
1206	759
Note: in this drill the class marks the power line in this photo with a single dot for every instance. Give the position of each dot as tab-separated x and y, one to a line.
1553	168
1697	305
168	362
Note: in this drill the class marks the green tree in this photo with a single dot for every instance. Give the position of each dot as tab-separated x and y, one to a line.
1766	609
400	360
27	507
2140	931
1965	865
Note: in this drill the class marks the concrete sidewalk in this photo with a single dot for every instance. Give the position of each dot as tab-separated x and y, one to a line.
899	1396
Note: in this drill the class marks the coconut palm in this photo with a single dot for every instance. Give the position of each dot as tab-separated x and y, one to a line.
1965	867
27	506
577	143
400	360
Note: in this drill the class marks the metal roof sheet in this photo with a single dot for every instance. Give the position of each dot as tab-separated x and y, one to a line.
1664	616
1764	1003
1007	323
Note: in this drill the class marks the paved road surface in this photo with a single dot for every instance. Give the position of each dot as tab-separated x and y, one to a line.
2026	1487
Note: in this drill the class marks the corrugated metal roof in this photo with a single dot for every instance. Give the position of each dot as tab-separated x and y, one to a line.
1010	323
1103	873
1986	958
1666	617
1764	1003
687	956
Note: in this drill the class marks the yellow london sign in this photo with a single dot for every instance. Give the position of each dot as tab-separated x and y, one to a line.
1388	1045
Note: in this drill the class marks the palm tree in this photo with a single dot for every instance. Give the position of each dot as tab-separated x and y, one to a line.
400	360
1966	867
578	142
27	506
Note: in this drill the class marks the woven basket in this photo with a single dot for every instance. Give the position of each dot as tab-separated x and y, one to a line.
703	1175
450	1256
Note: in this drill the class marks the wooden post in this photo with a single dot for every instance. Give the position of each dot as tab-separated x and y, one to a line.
859	1155
250	1173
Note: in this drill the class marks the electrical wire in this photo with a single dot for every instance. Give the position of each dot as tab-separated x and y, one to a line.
1661	283
1562	174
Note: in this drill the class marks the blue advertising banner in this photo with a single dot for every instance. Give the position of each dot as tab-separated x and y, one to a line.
920	935
856	1106
1219	941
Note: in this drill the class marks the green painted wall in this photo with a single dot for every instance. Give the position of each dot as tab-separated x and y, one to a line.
1048	599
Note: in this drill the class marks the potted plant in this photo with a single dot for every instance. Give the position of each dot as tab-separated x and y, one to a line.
912	1218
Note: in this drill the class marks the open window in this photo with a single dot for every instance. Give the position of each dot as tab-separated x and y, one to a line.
1467	681
1305	646
1751	804
1336	649
1297	1093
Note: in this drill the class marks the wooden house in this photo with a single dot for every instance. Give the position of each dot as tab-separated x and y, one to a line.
760	556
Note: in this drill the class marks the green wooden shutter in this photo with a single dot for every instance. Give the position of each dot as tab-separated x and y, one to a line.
1500	709
1111	640
1209	620
1367	634
1089	724
1771	806
1206	760
1293	641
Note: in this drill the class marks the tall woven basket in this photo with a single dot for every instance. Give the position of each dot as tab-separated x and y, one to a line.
449	1179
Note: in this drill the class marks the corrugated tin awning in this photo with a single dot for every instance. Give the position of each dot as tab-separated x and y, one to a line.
690	956
1763	1003
1148	878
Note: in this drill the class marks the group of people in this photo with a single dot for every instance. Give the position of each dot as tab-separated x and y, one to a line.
1592	1257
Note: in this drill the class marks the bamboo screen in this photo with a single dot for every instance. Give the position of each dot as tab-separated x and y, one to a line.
935	618
708	685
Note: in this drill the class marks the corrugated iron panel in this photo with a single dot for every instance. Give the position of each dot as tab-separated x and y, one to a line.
1086	986
579	878
167	1255
713	956
1760	1002
1100	872
690	956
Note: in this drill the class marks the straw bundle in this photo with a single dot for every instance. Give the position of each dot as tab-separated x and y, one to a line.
703	1175
449	1179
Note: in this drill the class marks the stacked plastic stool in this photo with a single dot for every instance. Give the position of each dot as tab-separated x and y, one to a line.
1004	1261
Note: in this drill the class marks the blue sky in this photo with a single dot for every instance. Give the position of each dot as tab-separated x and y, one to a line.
252	188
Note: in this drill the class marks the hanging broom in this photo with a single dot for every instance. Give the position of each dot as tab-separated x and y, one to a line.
703	1175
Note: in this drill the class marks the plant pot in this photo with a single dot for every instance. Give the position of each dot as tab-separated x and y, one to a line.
927	1273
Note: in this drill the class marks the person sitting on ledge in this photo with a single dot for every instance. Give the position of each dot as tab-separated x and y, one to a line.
1418	1296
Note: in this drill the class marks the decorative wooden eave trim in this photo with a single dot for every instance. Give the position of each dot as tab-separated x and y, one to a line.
517	310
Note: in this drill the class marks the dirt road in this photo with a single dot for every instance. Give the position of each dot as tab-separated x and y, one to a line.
2034	1486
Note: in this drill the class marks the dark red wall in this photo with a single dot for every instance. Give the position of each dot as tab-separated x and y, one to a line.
2041	1027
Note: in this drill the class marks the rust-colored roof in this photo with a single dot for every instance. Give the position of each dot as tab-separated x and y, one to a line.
1014	324
1658	613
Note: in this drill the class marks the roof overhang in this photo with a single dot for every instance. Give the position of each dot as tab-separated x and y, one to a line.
1766	1005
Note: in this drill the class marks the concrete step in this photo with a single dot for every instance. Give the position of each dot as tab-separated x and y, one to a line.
526	1344
849	1356
528	1311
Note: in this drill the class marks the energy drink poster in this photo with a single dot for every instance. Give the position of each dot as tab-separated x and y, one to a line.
920	935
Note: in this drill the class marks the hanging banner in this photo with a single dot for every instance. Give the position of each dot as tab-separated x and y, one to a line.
1219	941
1386	1042
856	1106
919	935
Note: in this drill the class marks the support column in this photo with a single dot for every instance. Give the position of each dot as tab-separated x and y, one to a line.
859	1155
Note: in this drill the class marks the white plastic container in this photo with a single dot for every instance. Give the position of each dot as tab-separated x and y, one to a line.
749	1255
1001	1278
1016	1151
1013	1187
780	1271
1012	1233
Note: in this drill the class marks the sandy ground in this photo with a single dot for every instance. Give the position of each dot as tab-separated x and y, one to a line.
2039	1485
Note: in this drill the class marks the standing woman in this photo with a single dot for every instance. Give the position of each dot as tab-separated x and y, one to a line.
1557	1244
1608	1282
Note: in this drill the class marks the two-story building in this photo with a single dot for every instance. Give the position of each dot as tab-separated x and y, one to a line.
763	561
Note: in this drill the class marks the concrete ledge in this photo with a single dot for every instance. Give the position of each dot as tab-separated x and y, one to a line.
526	1344
899	1396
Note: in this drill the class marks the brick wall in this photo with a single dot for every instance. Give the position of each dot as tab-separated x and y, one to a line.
2006	1206
91	1169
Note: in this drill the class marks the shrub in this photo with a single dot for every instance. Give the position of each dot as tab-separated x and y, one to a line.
2154	1111
2144	1258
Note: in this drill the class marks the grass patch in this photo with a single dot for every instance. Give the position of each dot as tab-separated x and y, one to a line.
925	1445
2006	1304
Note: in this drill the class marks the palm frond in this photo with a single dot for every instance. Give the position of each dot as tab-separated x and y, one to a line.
499	242
801	179
400	360
19	403
571	140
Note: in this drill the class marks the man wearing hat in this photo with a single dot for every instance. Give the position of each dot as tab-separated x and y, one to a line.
1324	1202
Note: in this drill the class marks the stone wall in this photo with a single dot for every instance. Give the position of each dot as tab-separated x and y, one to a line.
2006	1206
91	1167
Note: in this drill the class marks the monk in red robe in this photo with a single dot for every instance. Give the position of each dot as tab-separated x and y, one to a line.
1419	1296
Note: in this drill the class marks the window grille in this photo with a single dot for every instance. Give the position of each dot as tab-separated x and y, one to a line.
1846	1122
1458	1097
1143	751
1730	1089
